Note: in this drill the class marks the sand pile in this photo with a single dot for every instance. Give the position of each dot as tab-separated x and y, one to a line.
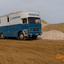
53	35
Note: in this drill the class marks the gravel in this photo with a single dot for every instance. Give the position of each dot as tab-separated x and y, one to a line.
52	35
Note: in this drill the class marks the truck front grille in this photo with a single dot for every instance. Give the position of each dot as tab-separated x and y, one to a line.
35	29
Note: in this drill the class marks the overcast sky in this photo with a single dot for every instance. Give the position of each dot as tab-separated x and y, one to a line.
51	11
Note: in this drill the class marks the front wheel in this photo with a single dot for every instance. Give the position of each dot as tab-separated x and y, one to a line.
21	36
2	36
34	37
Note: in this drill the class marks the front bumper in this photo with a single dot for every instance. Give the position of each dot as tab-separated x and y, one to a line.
34	33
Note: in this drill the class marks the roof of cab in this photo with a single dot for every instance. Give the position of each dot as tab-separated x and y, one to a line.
17	12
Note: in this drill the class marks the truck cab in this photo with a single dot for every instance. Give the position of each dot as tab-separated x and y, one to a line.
31	24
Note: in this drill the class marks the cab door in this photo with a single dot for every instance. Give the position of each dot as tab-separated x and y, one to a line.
24	25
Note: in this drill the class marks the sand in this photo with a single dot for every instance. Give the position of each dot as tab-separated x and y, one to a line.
38	51
52	35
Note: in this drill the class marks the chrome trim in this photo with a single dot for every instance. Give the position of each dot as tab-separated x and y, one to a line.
25	32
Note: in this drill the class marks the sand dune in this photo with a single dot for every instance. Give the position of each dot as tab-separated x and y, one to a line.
59	27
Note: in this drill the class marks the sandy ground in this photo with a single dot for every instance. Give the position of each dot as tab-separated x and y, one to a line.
38	51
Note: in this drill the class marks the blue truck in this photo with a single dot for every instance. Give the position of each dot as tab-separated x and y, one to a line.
22	24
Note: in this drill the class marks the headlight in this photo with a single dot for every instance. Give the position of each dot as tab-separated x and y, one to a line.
30	33
36	34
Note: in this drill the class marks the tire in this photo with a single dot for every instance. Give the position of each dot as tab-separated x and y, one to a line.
21	36
2	36
34	37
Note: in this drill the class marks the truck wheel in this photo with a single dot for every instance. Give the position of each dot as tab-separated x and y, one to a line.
34	37
21	36
2	36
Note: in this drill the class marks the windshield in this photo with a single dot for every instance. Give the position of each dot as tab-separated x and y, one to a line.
34	20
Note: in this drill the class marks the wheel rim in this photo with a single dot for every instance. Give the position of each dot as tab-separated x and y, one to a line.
1	35
21	36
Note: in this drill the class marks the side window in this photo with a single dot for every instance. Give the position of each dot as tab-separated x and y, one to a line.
8	19
24	20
